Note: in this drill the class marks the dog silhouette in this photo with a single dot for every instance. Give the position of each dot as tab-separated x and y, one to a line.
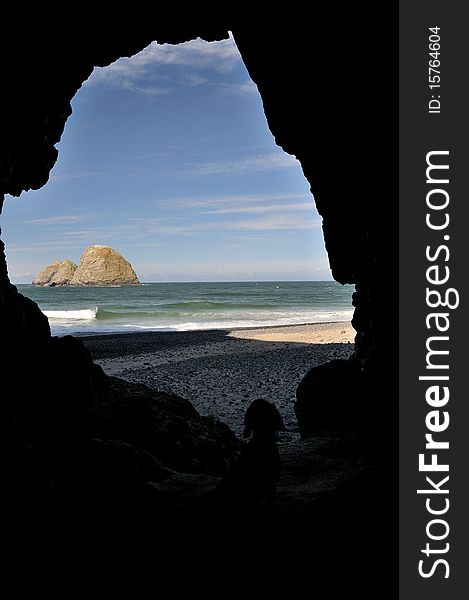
254	477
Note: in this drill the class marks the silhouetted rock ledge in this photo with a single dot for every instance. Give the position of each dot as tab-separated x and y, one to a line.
99	266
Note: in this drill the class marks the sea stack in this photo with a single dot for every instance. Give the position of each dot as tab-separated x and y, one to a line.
59	272
99	266
102	265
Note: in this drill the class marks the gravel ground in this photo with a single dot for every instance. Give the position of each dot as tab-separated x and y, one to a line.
218	372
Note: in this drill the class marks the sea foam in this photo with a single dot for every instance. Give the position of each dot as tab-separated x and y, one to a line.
85	314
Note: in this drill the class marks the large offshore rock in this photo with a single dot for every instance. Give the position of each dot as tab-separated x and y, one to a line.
102	265
99	266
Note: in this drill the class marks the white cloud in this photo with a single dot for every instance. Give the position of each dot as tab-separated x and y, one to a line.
232	200
237	89
261	209
275	222
59	220
268	223
253	164
189	216
148	90
192	79
142	71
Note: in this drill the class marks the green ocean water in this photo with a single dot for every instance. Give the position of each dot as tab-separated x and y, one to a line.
190	306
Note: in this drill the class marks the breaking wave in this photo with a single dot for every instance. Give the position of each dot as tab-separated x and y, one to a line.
86	314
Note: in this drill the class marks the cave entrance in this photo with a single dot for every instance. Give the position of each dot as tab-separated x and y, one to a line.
168	158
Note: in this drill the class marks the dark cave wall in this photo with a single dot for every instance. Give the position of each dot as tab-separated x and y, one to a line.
325	96
328	101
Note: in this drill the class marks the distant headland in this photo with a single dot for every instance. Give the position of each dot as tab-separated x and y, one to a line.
99	266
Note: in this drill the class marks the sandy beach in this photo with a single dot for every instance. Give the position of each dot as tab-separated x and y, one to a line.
222	371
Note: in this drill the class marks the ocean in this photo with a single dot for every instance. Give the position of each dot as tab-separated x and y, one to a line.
190	306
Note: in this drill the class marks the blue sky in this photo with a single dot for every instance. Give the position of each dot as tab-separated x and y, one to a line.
167	157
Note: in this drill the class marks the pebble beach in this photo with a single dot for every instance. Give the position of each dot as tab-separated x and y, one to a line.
222	371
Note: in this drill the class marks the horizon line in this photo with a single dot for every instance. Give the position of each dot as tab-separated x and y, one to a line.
221	281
